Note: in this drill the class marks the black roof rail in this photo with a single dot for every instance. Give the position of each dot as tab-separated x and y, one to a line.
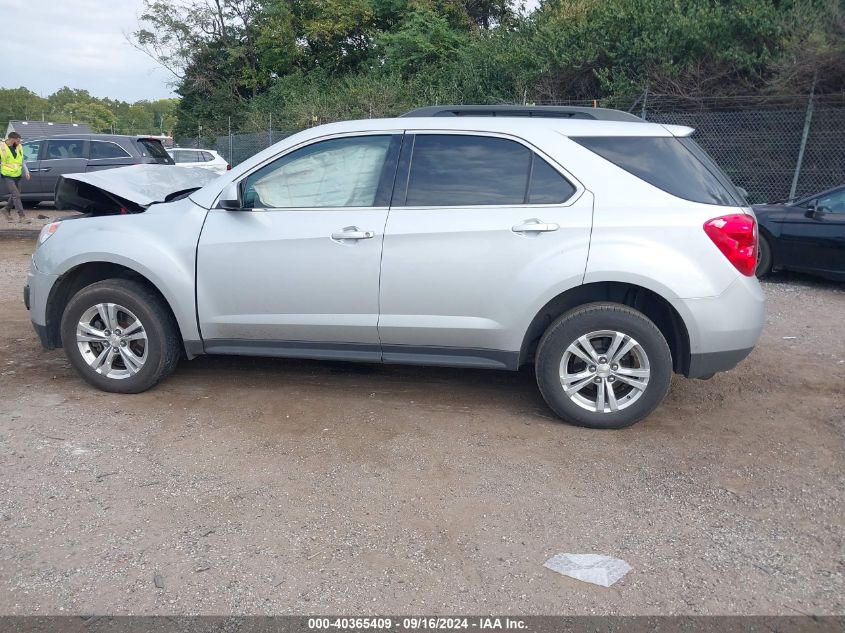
546	112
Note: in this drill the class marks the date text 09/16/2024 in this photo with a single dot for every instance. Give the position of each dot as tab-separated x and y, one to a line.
417	623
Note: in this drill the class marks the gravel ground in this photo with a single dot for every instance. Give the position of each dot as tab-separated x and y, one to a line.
37	214
270	486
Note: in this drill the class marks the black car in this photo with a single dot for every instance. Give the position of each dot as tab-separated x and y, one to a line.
49	158
806	235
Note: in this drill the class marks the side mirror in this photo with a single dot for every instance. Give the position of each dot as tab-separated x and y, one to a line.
812	209
743	192
230	198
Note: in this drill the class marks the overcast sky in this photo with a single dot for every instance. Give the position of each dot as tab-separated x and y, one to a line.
81	44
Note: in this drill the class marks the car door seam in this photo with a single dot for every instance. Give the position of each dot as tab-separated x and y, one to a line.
383	239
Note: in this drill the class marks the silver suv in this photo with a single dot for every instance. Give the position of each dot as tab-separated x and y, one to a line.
606	251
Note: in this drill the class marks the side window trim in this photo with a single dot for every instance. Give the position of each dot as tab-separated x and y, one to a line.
530	177
383	189
400	192
387	180
403	171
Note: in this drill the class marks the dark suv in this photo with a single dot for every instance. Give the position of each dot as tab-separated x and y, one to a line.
49	158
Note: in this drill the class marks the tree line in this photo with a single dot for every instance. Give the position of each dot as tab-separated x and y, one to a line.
79	106
250	65
288	64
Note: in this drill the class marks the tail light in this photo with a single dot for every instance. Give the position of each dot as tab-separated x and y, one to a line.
228	167
736	236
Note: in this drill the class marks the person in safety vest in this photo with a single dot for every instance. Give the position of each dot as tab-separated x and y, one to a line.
12	168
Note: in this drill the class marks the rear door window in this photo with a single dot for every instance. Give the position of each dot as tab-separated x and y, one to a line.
469	170
668	164
182	156
64	148
547	185
454	170
206	157
153	148
107	149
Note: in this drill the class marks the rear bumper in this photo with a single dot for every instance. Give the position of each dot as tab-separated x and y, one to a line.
723	330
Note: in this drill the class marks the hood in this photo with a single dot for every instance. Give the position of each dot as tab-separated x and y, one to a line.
769	208
140	185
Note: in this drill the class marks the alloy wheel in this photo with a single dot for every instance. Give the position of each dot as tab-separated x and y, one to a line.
112	340
604	371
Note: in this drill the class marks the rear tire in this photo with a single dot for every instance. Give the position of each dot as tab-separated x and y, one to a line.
626	378
128	360
764	257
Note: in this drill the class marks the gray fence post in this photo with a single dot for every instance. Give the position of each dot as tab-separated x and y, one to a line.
645	98
230	159
807	120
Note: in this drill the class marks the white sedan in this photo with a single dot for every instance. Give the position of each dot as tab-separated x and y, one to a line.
205	158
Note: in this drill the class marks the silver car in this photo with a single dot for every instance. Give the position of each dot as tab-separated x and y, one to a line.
605	251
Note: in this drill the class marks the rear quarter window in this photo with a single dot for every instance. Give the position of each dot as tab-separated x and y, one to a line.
106	149
668	164
153	148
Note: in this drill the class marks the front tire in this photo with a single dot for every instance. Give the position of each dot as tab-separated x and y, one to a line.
120	336
603	366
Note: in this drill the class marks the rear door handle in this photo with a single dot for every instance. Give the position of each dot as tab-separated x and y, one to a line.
352	233
535	226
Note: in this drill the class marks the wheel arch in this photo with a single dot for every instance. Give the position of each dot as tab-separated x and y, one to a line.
82	275
651	304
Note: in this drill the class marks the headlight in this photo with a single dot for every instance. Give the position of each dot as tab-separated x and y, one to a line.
47	232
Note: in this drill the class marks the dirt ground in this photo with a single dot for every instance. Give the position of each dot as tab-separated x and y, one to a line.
275	486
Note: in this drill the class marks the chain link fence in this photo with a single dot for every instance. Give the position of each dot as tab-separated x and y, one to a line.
775	148
775	154
236	148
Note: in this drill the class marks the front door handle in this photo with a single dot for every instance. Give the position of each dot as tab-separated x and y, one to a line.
352	233
535	226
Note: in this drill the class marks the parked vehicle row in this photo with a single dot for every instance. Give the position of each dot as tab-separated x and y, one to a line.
606	251
49	159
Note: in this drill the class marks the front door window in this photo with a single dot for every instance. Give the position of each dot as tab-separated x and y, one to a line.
341	172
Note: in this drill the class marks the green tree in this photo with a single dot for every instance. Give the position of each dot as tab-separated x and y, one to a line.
96	115
63	97
424	39
22	104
